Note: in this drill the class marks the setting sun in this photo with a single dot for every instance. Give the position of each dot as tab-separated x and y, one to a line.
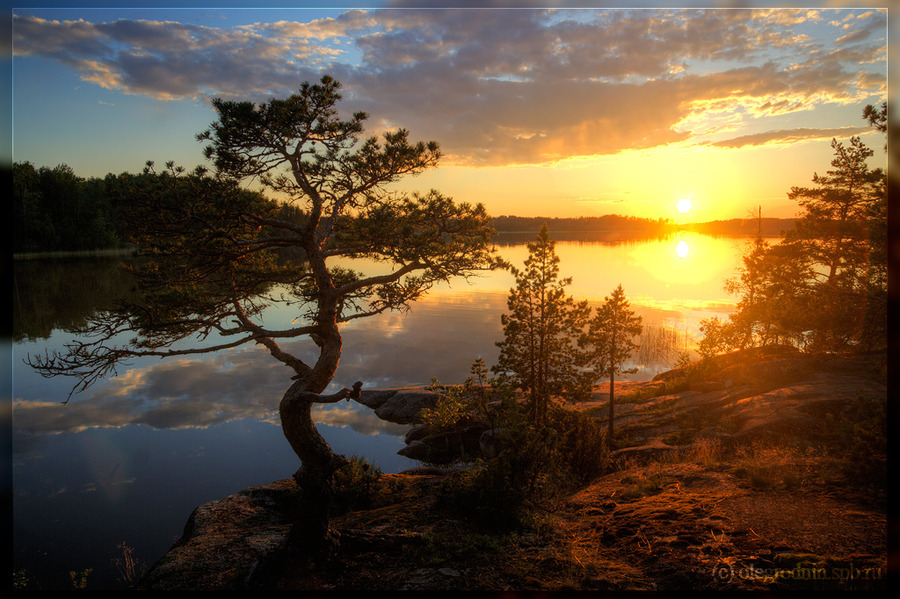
684	205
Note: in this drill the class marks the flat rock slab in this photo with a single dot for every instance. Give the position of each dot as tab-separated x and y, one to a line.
401	406
236	531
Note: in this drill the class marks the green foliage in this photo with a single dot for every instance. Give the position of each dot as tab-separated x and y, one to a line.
447	411
609	342
216	251
582	445
538	466
539	352
439	549
718	337
79	579
22	580
684	359
824	286
459	402
356	485
609	339
858	435
56	210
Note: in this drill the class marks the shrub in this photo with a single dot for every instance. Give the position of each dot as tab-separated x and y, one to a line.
582	449
537	467
356	485
859	436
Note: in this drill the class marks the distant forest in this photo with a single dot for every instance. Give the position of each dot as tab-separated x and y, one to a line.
55	210
767	227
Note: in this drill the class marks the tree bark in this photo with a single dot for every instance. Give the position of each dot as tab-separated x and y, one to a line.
315	477
609	435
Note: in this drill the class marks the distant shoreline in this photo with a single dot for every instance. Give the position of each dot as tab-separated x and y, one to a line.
610	227
640	227
103	253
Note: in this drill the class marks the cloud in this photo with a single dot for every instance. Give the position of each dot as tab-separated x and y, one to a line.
180	394
499	87
207	390
790	136
164	59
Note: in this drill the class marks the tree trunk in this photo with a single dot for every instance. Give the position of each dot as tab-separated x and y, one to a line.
609	434
315	477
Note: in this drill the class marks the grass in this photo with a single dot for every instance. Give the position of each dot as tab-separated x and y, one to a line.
642	485
782	467
707	452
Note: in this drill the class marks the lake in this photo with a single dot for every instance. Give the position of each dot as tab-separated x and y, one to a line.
129	459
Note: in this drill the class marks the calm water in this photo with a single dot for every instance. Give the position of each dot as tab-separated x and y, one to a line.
129	459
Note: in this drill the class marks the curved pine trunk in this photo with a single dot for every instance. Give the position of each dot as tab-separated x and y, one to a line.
609	435
315	477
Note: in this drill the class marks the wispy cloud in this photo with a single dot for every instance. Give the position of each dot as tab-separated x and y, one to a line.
790	136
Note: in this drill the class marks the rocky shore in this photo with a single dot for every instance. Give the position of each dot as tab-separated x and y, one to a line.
726	483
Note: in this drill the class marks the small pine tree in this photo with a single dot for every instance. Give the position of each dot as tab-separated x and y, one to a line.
609	342
538	353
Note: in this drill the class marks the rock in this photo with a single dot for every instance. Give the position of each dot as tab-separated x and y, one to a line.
375	398
491	442
416	450
655	449
224	540
706	386
446	447
401	406
416	433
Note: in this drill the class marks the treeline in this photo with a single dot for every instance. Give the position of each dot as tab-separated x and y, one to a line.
607	222
750	227
56	210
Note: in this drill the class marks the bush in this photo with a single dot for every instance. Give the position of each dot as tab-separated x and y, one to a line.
536	468
859	435
456	403
583	449
355	485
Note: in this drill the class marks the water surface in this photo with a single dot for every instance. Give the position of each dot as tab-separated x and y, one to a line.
127	460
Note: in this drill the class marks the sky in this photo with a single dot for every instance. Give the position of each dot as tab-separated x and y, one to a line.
693	114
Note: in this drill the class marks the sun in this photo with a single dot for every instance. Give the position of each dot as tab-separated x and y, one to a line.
684	205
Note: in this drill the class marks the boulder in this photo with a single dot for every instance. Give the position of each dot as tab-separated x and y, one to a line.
401	406
417	432
446	447
491	442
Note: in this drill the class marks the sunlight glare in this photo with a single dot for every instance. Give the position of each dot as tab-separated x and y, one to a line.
684	205
682	249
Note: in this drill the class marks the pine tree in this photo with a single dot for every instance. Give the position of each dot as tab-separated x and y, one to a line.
213	257
539	351
609	342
